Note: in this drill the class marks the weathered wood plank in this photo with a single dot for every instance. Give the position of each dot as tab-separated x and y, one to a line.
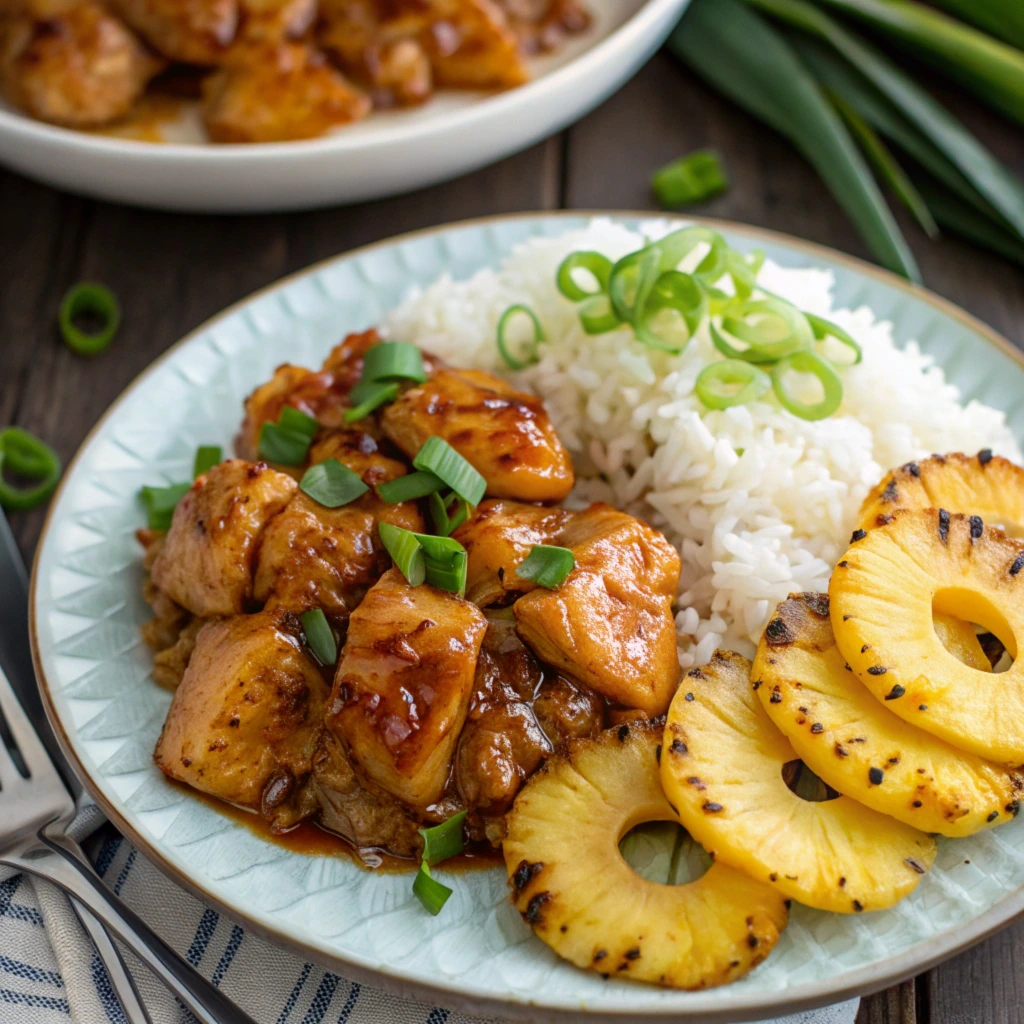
895	1006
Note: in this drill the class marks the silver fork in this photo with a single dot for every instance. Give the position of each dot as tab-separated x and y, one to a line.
36	810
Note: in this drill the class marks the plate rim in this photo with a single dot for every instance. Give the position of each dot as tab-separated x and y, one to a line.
504	103
745	1006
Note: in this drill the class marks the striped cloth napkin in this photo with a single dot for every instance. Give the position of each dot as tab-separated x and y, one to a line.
50	974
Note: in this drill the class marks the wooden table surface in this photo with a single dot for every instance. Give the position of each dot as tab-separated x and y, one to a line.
172	272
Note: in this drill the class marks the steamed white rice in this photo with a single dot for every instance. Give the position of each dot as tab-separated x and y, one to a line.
759	502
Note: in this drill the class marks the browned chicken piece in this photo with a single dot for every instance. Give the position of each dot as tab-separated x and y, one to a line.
542	25
190	31
504	433
275	20
74	65
322	394
317	557
403	687
497	539
471	46
366	815
566	710
170	663
207	561
278	93
244	722
610	624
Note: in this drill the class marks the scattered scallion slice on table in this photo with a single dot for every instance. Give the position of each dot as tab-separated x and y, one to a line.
430	892
437	456
26	455
97	304
690	179
808	363
408	487
731	382
319	636
371	398
392	361
207	456
331	484
546	565
527	353
160	503
405	550
444	840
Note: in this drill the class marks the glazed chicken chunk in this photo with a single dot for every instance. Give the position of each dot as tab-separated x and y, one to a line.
497	539
506	434
191	31
72	64
206	564
471	46
403	686
610	623
275	20
244	722
317	557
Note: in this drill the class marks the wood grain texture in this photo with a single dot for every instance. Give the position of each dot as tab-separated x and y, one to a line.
172	272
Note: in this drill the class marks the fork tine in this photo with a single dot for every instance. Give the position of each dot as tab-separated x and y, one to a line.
32	751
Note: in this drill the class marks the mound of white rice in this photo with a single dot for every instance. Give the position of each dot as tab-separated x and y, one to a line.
759	502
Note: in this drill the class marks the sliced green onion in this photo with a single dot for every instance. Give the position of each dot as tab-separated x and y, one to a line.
778	328
319	636
824	329
286	447
91	300
529	353
547	566
675	301
597	315
437	456
690	179
298	422
679	244
408	488
449	574
207	456
730	382
331	484
393	360
599	266
631	281
444	840
160	503
430	892
808	362
446	523
404	548
23	453
440	549
372	397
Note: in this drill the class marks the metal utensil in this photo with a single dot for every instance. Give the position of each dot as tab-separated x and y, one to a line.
37	809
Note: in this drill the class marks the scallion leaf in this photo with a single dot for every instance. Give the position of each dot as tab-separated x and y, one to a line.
675	308
593	263
730	382
160	503
25	454
448	574
824	329
430	892
437	456
690	179
298	422
444	840
408	488
546	565
207	456
96	302
770	327
528	353
808	362
445	522
393	361
319	636
331	484
597	315
373	396
286	447
405	550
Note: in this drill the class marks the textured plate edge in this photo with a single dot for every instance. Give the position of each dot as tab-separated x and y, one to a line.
744	1007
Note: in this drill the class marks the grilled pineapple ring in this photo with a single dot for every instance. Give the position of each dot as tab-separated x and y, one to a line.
883	594
857	745
984	484
722	768
572	885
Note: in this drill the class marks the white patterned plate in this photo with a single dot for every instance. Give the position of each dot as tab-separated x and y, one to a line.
479	956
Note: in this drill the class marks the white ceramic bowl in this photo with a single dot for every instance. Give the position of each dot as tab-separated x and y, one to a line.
388	153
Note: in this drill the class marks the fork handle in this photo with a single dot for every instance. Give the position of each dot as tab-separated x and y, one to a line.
60	860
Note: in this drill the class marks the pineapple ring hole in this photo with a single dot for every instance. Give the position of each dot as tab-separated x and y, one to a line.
994	633
664	852
800	780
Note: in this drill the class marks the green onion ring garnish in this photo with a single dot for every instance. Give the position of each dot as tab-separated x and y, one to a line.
27	456
730	382
404	548
597	315
160	503
690	179
764	343
674	292
393	360
377	394
679	244
445	524
444	840
430	892
631	281
94	300
747	355
408	487
207	456
824	329
546	565
319	636
594	263
437	456
331	484
529	356
808	362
